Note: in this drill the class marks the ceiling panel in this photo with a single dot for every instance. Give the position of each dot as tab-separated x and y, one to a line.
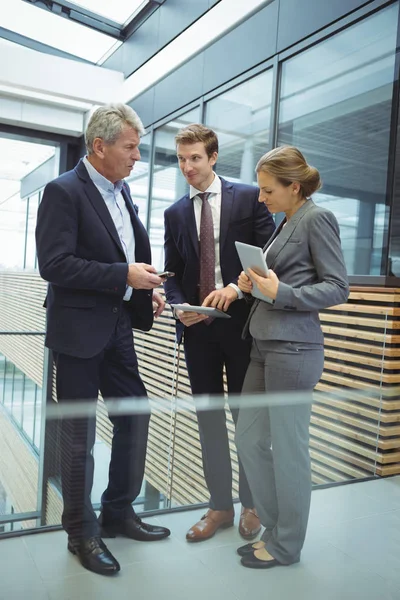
120	11
56	31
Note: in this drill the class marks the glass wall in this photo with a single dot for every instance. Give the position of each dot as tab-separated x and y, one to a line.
21	398
241	117
139	179
30	246
18	160
335	105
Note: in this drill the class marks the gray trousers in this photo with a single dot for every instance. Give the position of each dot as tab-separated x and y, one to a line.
273	441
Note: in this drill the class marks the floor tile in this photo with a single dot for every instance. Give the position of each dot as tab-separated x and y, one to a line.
50	555
385	491
175	580
341	504
374	542
352	552
17	569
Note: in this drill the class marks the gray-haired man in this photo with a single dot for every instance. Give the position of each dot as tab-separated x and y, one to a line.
95	254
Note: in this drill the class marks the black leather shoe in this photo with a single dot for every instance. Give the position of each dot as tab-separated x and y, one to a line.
133	528
251	561
94	555
247	549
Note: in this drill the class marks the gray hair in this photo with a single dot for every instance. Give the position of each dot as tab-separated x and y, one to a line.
107	123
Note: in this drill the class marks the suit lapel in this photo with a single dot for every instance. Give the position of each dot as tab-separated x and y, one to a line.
142	244
190	222
227	197
285	233
98	203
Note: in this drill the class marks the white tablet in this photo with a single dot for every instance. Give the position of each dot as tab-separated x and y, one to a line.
202	310
252	257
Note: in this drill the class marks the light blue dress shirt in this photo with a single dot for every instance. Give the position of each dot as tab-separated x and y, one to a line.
112	196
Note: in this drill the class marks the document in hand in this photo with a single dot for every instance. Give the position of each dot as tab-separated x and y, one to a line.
202	310
252	257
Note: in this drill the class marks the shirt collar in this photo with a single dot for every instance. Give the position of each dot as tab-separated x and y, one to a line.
100	181
214	188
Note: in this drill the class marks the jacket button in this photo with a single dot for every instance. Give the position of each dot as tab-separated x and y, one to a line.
115	309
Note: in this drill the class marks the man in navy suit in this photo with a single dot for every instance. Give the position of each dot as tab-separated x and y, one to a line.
200	230
95	254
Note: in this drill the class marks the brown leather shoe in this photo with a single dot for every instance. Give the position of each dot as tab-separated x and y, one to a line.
249	525
209	524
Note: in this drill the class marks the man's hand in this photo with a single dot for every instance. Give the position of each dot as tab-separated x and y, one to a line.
158	304
267	285
244	283
141	277
189	318
221	299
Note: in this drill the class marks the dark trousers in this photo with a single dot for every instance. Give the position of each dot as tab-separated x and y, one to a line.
115	373
207	349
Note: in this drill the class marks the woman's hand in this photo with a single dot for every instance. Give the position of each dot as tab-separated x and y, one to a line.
244	283
267	285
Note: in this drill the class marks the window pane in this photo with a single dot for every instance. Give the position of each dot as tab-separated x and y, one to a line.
241	118
168	183
139	179
336	107
12	232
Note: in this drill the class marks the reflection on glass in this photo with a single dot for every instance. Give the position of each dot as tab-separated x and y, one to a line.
12	232
139	179
168	183
241	119
18	396
30	251
336	107
8	384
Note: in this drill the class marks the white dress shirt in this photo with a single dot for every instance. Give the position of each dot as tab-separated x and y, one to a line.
214	200
112	196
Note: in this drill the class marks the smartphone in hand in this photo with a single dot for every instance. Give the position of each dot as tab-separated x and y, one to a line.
165	274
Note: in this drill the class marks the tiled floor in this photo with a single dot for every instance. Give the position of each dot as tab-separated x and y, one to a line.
352	552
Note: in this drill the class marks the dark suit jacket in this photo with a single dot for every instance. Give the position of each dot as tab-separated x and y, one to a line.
80	255
243	219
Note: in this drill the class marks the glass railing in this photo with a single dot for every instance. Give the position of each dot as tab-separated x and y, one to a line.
354	433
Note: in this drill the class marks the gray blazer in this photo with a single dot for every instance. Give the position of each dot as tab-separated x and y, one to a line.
308	260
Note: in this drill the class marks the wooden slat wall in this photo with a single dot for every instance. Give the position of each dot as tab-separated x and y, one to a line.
362	360
21	309
362	363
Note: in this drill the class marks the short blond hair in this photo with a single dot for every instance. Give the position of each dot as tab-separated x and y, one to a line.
288	165
108	121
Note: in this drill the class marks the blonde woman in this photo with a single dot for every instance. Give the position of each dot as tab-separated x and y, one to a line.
307	273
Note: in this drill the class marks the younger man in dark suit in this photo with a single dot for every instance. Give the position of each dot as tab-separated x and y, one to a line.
200	233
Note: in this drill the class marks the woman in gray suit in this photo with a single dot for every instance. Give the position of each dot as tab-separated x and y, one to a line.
306	274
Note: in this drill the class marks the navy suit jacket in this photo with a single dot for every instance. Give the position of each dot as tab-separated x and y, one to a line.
243	219
80	255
